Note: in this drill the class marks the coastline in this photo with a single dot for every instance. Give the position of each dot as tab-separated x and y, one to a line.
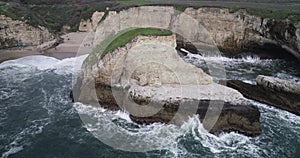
75	43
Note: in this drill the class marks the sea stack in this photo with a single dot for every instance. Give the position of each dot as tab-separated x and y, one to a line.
147	78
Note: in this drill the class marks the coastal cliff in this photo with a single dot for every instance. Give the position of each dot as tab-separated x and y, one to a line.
148	79
15	33
92	23
208	27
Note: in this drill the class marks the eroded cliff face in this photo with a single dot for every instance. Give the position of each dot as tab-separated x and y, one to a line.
92	23
149	80
14	33
207	27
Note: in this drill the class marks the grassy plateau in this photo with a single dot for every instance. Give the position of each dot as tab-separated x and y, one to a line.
121	39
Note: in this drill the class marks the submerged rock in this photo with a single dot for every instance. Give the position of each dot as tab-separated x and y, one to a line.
149	80
272	91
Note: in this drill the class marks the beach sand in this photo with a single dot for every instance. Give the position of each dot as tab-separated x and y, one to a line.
75	44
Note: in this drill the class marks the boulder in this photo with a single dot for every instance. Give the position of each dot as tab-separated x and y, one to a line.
149	80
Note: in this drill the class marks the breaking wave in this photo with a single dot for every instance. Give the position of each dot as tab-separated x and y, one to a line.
35	109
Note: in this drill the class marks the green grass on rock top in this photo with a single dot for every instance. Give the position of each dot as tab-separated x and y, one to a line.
121	39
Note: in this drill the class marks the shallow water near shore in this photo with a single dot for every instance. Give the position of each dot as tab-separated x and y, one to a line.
38	119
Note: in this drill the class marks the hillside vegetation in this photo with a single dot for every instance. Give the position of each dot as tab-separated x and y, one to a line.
53	14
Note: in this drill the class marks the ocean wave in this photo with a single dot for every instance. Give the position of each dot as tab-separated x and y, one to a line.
159	136
226	60
20	140
283	115
40	62
132	137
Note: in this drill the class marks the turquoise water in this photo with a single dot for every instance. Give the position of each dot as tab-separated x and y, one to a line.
38	119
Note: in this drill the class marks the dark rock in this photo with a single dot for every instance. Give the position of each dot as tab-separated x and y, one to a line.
185	44
239	118
280	99
276	84
72	97
268	51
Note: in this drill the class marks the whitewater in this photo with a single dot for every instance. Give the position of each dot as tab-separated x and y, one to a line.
38	118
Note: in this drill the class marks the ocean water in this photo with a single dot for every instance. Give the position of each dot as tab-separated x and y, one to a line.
38	119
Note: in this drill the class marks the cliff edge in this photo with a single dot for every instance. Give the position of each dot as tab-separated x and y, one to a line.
207	27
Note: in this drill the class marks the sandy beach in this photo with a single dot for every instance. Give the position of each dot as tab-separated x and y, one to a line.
75	44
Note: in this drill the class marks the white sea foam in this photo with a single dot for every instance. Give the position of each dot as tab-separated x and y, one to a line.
249	81
143	138
287	77
217	59
40	62
159	136
19	141
123	115
69	65
184	50
11	151
281	114
225	142
6	93
167	137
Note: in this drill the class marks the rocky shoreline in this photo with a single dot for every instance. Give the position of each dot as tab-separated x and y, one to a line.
213	29
147	78
210	28
272	91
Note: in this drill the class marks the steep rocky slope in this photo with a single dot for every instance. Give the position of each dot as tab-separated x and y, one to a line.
92	23
149	80
15	33
208	27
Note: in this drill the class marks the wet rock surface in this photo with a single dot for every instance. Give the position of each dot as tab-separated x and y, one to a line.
216	115
270	93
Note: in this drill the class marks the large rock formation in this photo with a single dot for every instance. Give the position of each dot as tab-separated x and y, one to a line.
92	23
277	84
15	33
272	91
208	27
147	78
